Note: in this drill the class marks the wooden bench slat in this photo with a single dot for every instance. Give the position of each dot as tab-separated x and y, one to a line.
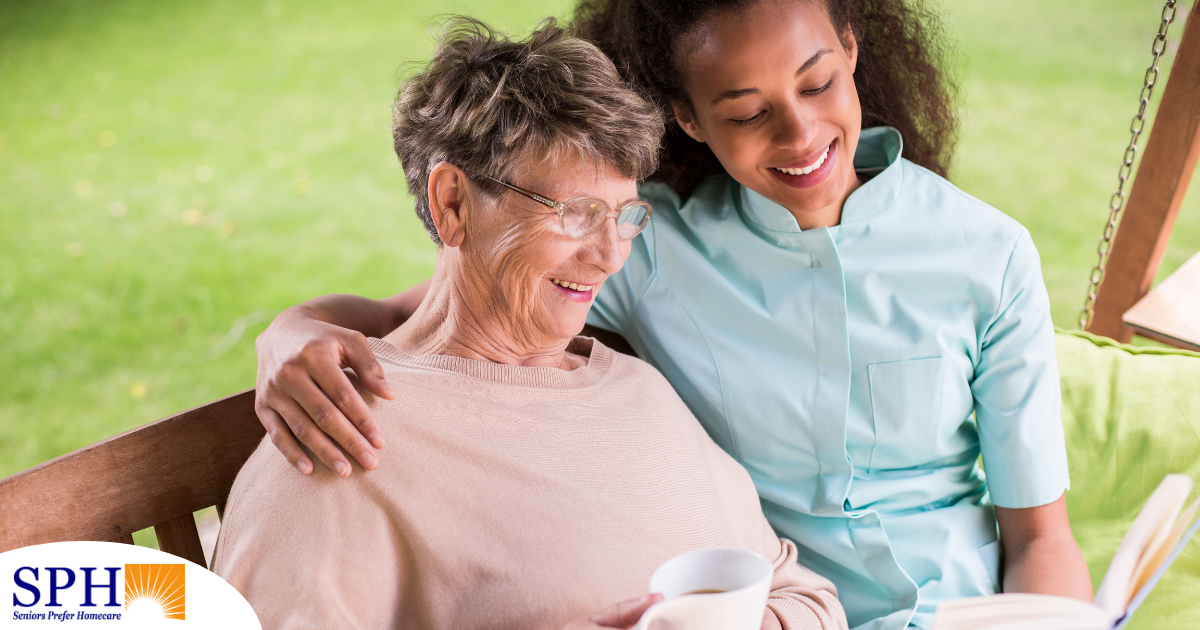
178	536
161	471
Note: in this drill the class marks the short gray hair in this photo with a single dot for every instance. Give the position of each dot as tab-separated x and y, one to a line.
487	104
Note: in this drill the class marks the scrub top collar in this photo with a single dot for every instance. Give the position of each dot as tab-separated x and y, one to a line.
877	157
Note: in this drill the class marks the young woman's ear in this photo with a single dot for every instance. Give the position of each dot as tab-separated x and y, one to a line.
850	44
448	193
687	121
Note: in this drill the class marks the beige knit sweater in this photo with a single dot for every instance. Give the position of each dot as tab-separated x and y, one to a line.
507	497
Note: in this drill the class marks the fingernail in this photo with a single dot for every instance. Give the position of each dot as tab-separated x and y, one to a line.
304	467
368	459
342	468
376	440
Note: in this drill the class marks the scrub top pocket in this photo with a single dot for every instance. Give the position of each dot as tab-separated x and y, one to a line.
906	407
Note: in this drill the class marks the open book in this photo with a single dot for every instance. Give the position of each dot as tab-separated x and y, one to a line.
1156	537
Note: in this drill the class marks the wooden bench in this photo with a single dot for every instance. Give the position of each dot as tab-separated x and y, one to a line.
156	475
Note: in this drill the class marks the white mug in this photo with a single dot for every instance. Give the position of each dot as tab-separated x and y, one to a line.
738	581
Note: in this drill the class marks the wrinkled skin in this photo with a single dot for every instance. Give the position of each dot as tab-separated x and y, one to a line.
492	297
758	51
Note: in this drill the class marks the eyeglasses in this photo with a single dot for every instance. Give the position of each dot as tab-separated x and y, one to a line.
581	217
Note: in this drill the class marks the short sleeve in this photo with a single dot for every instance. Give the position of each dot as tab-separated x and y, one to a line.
618	298
1016	391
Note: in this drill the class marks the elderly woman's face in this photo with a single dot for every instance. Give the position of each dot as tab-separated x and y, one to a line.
543	281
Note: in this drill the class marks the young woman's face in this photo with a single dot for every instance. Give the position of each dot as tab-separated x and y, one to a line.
772	93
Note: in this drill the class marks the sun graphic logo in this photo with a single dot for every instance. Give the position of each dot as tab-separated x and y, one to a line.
154	591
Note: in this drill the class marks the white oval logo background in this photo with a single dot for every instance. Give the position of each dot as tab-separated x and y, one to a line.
153	589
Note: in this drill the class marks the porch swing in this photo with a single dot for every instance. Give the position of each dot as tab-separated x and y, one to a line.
158	475
1119	302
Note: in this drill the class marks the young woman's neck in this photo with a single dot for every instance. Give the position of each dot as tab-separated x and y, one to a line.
461	320
830	215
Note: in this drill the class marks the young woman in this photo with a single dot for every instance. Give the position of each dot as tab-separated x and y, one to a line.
846	323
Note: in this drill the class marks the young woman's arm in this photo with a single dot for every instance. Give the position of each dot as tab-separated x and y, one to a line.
303	396
1040	554
301	392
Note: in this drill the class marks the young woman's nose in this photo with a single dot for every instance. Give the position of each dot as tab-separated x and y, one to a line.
795	128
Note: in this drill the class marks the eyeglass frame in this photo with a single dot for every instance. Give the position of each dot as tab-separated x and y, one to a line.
561	207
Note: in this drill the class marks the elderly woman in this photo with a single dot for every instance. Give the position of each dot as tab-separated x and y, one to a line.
540	476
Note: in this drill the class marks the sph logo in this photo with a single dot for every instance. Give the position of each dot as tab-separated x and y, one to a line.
115	586
158	588
61	579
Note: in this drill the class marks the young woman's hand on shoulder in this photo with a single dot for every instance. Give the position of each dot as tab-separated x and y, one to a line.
302	395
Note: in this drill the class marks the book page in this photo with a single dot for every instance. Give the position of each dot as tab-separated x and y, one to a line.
1020	611
1144	590
1147	567
1151	527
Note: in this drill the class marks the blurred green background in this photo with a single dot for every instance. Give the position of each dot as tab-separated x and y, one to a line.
173	174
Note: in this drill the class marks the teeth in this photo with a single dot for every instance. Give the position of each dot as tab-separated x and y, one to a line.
808	169
571	285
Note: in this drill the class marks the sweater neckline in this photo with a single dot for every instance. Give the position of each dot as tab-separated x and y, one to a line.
598	357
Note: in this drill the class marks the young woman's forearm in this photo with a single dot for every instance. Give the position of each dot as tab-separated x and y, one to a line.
373	318
1040	553
1050	566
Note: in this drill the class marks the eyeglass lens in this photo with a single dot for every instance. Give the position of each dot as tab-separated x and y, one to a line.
582	217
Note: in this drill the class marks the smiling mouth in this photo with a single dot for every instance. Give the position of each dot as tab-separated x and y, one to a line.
807	169
582	288
574	291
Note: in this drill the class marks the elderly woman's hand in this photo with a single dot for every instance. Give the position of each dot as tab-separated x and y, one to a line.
301	392
623	614
627	613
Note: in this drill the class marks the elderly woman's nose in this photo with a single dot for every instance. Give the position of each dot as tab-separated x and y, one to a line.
604	247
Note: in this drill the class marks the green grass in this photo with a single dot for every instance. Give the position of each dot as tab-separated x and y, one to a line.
170	169
1050	89
172	173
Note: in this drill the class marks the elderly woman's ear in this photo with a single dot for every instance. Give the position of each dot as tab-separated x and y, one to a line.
449	195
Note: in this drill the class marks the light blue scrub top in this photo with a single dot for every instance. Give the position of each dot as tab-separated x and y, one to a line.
841	367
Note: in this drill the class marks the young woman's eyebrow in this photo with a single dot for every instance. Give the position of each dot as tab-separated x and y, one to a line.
732	94
812	61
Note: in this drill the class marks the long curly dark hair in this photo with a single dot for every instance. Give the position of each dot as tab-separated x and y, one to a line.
903	74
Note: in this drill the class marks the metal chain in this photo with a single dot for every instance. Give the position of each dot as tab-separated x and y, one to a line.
1117	202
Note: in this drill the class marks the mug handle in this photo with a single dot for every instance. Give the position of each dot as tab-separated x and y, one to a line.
662	610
